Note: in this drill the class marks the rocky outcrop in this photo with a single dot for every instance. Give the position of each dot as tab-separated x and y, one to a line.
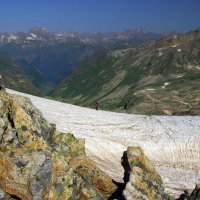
38	162
142	180
195	195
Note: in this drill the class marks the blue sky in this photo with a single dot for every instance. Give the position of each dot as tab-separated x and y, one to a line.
99	15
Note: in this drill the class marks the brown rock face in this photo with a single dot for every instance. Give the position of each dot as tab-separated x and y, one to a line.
38	162
142	180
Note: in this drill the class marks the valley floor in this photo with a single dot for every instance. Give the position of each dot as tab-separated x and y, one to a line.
171	142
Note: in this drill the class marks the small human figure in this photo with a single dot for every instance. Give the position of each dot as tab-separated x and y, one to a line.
97	105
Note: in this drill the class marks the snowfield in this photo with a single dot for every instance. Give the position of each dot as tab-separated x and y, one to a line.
172	143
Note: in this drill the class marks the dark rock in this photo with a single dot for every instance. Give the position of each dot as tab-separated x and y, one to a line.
24	128
195	193
20	164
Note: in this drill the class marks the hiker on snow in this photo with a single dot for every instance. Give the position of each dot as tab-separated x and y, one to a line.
97	105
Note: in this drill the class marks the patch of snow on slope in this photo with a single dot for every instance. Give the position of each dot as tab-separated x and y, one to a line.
172	143
175	45
12	37
33	35
165	84
150	89
29	38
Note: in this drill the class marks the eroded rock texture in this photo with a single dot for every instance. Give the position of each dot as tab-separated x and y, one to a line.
142	180
38	162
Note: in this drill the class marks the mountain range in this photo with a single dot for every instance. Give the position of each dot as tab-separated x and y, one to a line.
40	36
161	77
136	70
53	55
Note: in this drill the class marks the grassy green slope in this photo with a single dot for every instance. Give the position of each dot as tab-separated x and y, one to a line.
159	78
20	78
52	61
88	74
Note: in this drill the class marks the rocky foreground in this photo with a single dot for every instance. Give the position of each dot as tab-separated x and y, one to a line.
171	143
37	162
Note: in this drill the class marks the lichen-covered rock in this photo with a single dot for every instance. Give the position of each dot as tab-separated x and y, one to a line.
142	180
39	163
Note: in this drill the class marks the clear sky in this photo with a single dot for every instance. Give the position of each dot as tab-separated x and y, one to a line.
99	15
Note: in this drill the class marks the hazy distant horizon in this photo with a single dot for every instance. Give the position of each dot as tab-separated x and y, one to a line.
130	29
103	16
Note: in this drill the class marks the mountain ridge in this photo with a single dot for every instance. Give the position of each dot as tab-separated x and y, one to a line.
154	78
54	54
43	35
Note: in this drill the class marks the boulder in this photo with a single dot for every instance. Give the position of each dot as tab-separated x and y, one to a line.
142	180
39	163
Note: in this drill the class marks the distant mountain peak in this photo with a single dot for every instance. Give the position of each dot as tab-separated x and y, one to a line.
38	30
138	31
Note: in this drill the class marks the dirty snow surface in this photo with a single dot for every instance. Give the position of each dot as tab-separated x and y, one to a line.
172	143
